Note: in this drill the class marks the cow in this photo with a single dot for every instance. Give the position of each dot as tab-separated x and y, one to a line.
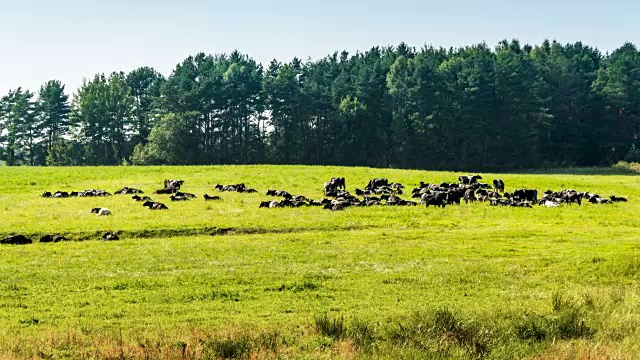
211	198
110	236
52	238
176	184
571	196
46	195
617	199
60	194
469	179
155	205
339	183
16	240
454	197
528	195
376	183
599	200
166	191
128	191
435	199
498	185
179	198
186	195
469	196
141	199
101	211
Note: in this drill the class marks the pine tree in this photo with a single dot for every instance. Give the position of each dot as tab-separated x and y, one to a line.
52	114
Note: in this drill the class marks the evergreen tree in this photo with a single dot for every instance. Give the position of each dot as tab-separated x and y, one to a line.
53	114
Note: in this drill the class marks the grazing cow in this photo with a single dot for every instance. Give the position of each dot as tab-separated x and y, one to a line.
328	188
498	185
52	238
334	185
339	183
101	211
454	197
469	196
434	199
110	236
617	199
571	196
155	206
211	198
16	240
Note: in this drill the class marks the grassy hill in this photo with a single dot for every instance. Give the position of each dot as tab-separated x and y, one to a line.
469	281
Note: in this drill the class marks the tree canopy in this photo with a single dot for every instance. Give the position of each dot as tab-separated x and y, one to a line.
513	106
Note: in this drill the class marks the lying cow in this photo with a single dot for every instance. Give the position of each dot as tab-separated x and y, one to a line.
176	184
526	195
211	198
16	240
52	238
179	198
155	206
101	211
110	236
141	199
60	194
128	191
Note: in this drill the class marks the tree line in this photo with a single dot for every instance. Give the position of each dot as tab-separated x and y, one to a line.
513	106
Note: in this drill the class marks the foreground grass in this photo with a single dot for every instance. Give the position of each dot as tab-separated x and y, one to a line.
463	282
513	295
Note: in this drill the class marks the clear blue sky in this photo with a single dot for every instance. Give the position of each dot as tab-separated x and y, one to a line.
71	39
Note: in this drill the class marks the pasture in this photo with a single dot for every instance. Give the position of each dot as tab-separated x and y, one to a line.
227	279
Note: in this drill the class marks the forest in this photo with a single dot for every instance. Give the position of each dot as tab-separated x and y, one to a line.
511	107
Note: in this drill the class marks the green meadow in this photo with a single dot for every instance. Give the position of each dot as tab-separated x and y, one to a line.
209	280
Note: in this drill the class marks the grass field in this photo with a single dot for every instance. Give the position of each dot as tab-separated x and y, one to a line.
462	282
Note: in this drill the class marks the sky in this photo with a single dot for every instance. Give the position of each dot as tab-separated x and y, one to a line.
69	40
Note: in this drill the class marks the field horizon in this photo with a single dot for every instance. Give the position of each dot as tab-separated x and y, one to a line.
229	280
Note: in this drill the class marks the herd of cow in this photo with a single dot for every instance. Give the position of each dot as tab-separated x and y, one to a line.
379	191
468	189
